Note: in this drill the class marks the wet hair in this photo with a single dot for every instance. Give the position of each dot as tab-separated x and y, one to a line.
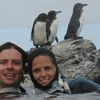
35	53
9	45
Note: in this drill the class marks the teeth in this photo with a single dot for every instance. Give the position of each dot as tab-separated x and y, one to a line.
43	80
9	75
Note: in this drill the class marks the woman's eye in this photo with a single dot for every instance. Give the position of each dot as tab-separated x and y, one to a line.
48	68
36	70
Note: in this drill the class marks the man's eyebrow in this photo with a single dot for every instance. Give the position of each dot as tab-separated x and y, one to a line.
3	59
16	60
11	59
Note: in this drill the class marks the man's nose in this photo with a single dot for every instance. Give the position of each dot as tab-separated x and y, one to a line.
10	65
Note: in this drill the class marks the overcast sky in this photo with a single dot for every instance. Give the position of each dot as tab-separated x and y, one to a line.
17	16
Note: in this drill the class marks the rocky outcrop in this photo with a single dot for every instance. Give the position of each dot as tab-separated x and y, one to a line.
77	57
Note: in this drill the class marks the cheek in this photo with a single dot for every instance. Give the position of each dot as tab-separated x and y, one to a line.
19	73
54	71
19	70
1	68
35	76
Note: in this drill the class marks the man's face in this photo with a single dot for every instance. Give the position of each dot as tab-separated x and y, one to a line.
10	67
43	70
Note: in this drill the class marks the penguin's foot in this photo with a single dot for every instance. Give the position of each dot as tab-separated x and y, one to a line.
79	37
48	47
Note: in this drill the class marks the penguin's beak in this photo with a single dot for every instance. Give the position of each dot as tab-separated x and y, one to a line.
84	5
58	12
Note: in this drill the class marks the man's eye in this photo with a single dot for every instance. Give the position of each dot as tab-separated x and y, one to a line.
17	62
2	62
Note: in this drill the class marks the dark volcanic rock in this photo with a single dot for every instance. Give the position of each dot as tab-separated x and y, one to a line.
78	57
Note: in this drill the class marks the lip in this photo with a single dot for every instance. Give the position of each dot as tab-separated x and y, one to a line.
9	75
44	81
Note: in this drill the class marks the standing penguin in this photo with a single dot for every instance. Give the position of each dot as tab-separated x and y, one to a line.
51	26
76	22
38	33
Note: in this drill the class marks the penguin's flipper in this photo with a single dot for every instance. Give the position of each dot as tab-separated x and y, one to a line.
32	31
56	38
22	89
48	31
72	29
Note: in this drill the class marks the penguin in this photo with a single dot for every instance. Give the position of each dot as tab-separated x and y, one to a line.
52	26
62	80
38	32
76	22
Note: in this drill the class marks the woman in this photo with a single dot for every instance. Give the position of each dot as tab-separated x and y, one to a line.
47	78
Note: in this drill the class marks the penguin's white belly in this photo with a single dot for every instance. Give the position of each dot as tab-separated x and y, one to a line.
40	33
81	25
53	29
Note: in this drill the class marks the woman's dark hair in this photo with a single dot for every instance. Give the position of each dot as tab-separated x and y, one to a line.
35	53
9	45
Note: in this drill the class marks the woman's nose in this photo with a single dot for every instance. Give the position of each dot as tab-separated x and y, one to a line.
43	73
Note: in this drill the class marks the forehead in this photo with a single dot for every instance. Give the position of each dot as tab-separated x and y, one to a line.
42	61
10	53
42	57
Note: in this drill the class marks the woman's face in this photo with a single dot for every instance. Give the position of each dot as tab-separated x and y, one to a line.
43	70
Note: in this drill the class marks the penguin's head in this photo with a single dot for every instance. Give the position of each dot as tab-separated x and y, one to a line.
42	17
79	6
52	14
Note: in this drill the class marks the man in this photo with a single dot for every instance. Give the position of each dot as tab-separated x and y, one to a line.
12	63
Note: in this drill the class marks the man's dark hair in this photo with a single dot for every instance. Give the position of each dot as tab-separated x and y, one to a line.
9	45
